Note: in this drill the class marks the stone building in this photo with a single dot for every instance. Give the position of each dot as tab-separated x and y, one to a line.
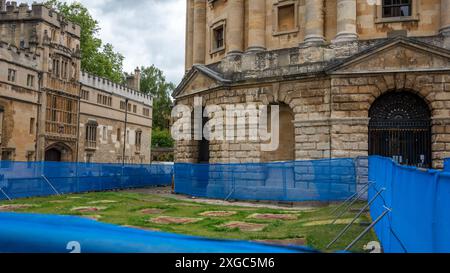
352	77
49	109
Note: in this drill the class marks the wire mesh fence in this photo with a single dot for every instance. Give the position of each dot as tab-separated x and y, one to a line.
29	179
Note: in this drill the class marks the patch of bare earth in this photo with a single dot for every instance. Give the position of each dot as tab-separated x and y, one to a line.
92	217
14	207
59	202
152	211
102	202
244	226
88	209
328	222
269	216
286	242
174	220
142	228
218	213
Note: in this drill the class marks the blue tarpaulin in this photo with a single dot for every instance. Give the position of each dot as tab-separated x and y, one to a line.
419	204
28	179
315	180
447	165
33	233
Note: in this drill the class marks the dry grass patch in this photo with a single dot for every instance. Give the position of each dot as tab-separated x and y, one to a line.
270	216
174	220
244	226
218	213
88	209
15	207
152	211
329	222
286	242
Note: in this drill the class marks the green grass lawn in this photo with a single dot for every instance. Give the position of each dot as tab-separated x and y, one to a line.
124	208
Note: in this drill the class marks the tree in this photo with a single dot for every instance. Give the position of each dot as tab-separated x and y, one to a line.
154	82
96	58
162	138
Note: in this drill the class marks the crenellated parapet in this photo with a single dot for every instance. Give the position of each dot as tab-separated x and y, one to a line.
114	88
24	12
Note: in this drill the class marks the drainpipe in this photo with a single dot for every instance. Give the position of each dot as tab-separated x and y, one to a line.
125	132
78	128
38	117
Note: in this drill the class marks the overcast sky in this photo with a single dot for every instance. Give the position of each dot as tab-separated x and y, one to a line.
146	32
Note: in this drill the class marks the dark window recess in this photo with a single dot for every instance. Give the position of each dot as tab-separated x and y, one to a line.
397	8
218	37
203	148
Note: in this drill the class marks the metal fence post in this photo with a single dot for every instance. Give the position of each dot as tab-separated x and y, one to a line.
53	188
351	197
351	204
356	217
4	193
354	242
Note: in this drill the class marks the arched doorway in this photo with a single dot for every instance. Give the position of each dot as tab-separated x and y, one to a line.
400	128
53	155
58	152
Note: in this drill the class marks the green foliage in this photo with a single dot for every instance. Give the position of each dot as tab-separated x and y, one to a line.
154	82
162	138
96	58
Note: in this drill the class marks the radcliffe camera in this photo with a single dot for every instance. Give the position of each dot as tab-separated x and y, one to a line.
231	134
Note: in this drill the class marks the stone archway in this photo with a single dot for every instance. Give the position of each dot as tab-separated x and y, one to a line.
59	152
400	128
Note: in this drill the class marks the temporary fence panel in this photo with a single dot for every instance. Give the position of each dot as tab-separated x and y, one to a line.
315	180
447	165
28	179
419	220
32	233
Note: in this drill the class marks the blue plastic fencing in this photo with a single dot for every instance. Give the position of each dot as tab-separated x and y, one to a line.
28	179
32	233
447	165
419	201
317	180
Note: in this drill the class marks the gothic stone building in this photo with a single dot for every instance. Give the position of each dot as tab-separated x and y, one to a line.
352	77
49	109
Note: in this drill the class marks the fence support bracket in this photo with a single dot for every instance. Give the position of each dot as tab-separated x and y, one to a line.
361	192
4	193
46	180
360	236
355	218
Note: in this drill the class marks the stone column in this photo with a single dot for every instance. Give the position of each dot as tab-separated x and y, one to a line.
199	37
189	34
235	25
256	25
314	17
445	17
346	21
